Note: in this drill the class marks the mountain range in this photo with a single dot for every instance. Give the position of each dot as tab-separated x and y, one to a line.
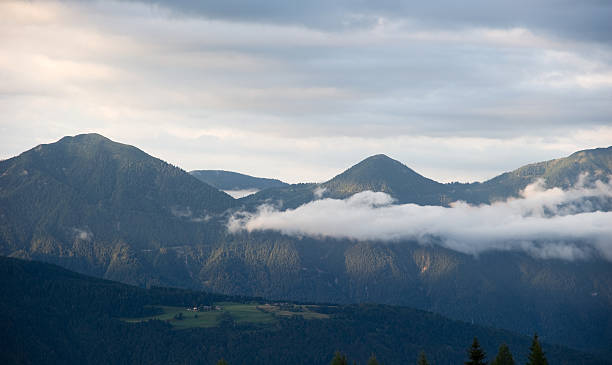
110	210
382	173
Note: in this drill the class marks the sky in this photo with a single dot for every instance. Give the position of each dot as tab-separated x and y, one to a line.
458	91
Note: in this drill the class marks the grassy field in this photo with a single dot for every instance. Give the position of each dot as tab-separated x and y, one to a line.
188	319
181	318
305	311
246	313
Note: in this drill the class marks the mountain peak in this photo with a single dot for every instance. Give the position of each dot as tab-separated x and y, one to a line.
382	173
375	167
85	138
380	156
115	191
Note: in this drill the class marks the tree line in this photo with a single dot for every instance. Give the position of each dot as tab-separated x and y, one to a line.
476	356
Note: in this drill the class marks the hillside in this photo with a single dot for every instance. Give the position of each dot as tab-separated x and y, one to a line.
375	173
92	203
228	180
565	302
381	173
595	164
51	315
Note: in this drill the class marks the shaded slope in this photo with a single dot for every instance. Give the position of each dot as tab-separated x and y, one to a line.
565	302
381	173
84	195
594	164
286	197
375	173
228	180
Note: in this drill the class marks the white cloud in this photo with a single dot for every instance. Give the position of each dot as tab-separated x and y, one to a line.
83	234
554	223
318	192
237	194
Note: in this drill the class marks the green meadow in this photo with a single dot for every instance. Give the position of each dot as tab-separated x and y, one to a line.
182	318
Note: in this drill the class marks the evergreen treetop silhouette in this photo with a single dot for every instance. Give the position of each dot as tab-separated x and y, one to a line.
476	354
536	354
504	357
422	359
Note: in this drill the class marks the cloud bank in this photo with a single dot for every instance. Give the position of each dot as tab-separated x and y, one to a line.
545	223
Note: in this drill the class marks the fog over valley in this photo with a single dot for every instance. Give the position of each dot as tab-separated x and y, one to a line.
545	223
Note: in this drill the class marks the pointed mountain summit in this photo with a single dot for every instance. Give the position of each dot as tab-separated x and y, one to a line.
382	173
378	173
87	193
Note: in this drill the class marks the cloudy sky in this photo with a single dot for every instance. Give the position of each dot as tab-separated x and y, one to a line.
302	90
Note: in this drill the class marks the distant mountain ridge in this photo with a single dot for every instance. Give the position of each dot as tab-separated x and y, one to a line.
594	164
228	180
381	173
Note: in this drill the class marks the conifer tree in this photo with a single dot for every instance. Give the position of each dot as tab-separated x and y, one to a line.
504	357
422	359
372	360
536	355
339	359
476	355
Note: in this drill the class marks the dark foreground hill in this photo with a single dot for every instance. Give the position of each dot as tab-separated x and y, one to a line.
49	315
228	180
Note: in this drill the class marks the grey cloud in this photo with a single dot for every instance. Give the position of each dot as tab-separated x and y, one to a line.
550	223
242	88
587	20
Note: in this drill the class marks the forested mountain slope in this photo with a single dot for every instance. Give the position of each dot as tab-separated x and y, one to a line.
595	164
96	203
50	315
228	180
381	173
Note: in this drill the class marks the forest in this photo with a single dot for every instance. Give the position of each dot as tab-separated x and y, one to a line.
52	315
